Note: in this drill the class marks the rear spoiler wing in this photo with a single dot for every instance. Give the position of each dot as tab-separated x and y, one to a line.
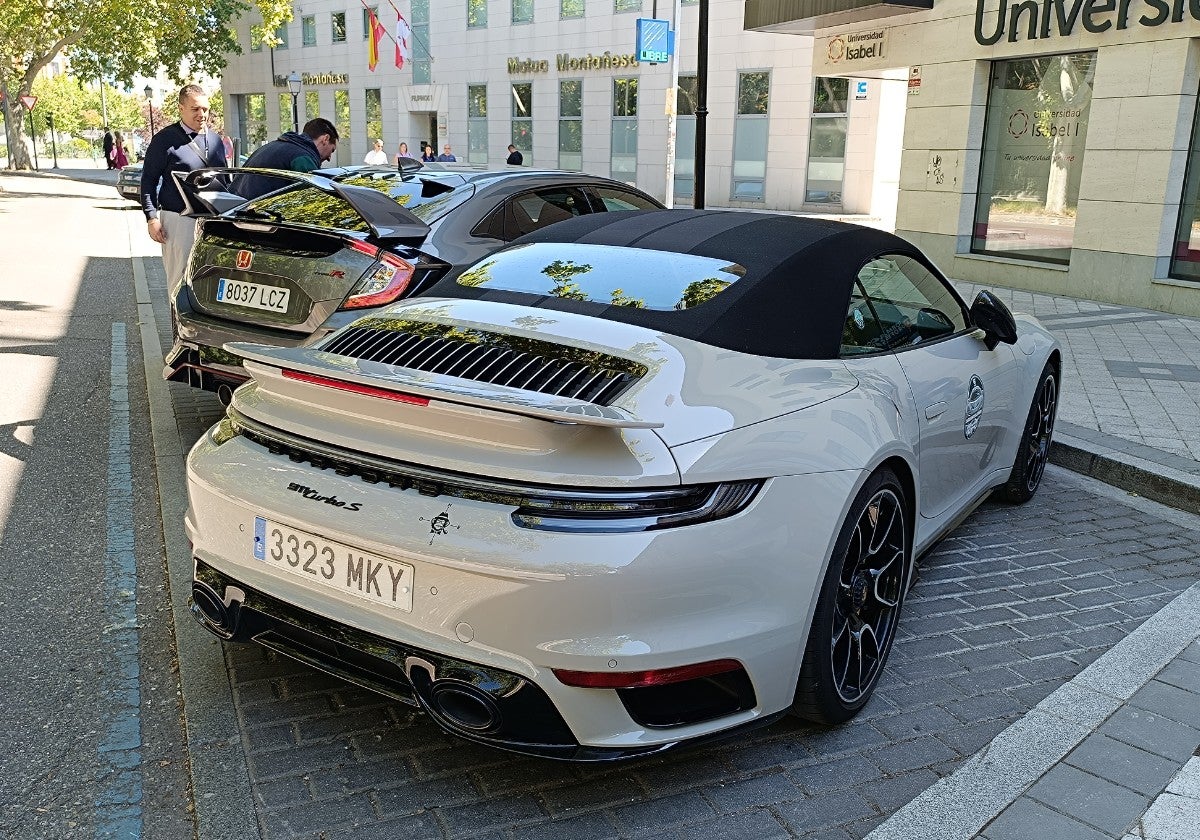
446	389
387	220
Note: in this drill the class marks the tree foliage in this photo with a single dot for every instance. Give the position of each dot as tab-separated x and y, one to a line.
120	39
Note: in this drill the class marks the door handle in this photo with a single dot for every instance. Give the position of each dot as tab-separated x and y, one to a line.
935	410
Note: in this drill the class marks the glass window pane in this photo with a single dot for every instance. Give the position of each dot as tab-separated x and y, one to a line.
477	100
685	96
570	144
1185	259
570	98
627	5
685	157
422	64
623	162
476	13
753	92
625	97
750	158
282	34
367	21
522	136
374	115
1033	146
826	160
285	113
912	305
477	140
522	99
312	105
339	27
341	118
255	124
308	29
570	8
830	95
522	11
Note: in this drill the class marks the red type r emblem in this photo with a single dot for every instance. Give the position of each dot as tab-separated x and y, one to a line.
244	258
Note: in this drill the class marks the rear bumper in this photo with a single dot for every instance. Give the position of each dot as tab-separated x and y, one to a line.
480	703
184	364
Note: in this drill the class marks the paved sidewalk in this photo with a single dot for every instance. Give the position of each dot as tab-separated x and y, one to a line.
1130	402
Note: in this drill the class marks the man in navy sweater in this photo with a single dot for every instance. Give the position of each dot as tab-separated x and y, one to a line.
302	152
180	147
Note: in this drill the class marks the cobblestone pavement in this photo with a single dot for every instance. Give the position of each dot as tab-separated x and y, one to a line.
1017	601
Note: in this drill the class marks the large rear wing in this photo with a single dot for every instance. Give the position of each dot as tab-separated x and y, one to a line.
331	370
207	193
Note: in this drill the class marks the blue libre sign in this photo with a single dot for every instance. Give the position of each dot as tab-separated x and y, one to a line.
655	40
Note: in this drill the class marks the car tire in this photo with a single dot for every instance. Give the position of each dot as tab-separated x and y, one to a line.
1033	452
861	596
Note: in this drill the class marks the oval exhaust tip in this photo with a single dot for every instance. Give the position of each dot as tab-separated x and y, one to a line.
465	706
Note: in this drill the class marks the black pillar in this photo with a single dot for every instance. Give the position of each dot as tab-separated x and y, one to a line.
701	105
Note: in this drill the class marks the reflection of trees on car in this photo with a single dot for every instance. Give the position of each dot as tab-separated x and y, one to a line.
478	275
620	299
701	290
563	274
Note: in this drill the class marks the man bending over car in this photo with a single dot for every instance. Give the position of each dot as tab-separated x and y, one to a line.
298	152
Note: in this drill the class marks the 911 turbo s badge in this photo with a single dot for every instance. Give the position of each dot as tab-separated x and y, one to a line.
244	258
439	524
314	496
974	406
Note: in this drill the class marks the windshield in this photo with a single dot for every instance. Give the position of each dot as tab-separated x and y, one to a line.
607	274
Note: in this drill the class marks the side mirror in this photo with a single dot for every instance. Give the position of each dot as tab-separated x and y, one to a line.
990	314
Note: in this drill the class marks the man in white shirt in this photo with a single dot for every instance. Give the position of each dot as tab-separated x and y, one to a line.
377	154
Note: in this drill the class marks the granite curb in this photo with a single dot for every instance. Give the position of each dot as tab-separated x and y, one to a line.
1169	479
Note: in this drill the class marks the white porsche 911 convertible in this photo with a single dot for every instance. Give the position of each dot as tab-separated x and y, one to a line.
638	479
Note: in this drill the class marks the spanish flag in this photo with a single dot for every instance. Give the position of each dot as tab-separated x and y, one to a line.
377	32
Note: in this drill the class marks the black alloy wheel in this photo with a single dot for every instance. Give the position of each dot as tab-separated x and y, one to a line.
1033	452
856	617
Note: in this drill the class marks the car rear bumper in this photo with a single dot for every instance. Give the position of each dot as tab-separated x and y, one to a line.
528	602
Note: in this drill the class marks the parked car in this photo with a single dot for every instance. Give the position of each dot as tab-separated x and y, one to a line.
635	480
129	182
290	267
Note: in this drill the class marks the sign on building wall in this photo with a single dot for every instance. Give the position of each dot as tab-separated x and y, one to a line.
914	80
856	47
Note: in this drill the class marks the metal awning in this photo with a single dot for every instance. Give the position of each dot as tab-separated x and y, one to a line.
805	17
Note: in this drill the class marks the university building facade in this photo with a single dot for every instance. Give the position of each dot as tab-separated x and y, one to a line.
1050	145
559	79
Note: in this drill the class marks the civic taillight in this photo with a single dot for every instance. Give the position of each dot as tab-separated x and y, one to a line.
383	283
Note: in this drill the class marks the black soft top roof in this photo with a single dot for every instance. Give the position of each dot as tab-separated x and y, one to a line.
791	303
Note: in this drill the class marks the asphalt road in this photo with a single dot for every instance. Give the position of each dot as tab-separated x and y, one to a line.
91	711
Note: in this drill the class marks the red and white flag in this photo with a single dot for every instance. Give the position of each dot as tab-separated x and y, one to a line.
402	35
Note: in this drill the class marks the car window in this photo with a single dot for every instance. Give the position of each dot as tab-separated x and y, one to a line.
537	209
616	199
911	304
861	332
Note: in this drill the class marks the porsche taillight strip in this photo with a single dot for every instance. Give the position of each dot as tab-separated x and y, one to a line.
355	388
578	510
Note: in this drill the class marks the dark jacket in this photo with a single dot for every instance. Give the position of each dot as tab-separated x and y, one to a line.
515	158
171	150
292	151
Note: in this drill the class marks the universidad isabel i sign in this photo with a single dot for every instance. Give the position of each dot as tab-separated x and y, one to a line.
1040	19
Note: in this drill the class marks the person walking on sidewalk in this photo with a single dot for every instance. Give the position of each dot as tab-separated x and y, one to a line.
182	146
120	158
297	152
108	148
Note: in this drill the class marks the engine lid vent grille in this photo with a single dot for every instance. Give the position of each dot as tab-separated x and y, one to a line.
513	361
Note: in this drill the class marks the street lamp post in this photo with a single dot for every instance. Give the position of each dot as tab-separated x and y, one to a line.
294	85
149	91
